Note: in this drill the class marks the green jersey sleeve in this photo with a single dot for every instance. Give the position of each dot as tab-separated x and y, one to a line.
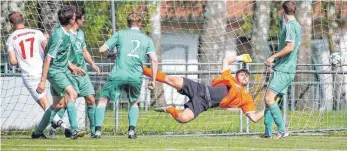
54	46
290	33
150	48
113	41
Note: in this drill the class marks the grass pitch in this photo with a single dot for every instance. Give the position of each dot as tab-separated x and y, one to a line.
145	142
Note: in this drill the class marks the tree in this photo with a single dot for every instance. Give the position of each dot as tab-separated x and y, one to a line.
304	16
213	38
156	35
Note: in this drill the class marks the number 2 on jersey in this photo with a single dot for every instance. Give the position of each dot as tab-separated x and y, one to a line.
131	54
21	44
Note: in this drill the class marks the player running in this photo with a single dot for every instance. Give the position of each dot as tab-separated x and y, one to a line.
133	46
78	55
25	47
55	69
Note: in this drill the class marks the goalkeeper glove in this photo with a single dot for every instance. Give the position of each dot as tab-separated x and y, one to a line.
245	58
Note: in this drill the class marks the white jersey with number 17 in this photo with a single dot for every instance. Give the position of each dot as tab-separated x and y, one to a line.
29	52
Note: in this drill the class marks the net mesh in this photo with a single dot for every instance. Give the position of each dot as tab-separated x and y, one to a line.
192	38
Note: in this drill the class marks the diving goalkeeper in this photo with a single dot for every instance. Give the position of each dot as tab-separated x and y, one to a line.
225	91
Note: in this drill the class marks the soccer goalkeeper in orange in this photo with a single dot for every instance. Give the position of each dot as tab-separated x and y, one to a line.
225	91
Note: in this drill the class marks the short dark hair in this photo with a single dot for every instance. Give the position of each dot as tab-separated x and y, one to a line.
15	18
243	70
66	13
79	13
289	7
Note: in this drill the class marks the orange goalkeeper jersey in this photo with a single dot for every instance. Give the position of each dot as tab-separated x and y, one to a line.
237	96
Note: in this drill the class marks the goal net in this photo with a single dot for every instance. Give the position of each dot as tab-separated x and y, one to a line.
191	39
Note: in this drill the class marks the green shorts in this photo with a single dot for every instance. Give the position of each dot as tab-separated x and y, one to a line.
84	85
280	81
59	81
113	88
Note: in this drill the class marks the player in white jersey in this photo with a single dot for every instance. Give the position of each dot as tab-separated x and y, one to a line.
25	47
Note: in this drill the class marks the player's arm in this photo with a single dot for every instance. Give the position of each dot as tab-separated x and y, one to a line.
12	57
89	59
42	83
246	58
76	70
109	44
11	53
287	49
255	117
154	63
290	40
227	61
103	49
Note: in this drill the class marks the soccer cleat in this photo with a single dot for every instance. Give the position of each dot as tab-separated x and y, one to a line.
132	136
96	135
52	133
161	108
38	136
263	136
281	135
67	132
77	134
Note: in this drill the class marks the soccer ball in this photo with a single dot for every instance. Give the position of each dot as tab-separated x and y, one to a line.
335	59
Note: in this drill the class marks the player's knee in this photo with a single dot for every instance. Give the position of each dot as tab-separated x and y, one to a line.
72	96
269	100
184	118
90	100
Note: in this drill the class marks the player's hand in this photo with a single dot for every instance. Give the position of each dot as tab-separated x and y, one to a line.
245	58
96	68
78	71
269	61
151	85
41	87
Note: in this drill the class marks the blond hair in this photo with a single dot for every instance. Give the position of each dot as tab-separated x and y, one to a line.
134	19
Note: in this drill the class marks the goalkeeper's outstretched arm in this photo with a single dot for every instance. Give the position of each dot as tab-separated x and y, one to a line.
245	58
255	117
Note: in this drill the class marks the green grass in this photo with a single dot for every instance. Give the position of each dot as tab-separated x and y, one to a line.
212	121
222	121
145	142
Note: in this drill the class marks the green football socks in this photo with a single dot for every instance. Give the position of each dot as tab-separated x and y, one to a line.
47	117
91	115
276	114
268	121
133	115
99	115
72	113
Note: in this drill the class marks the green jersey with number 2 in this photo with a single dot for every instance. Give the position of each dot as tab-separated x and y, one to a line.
132	48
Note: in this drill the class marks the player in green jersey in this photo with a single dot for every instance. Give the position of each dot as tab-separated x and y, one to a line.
55	69
284	69
78	55
133	46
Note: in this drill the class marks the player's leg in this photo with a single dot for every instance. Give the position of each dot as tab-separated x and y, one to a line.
59	104
71	96
86	90
174	81
47	117
181	117
279	83
133	115
108	92
91	109
133	90
100	116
